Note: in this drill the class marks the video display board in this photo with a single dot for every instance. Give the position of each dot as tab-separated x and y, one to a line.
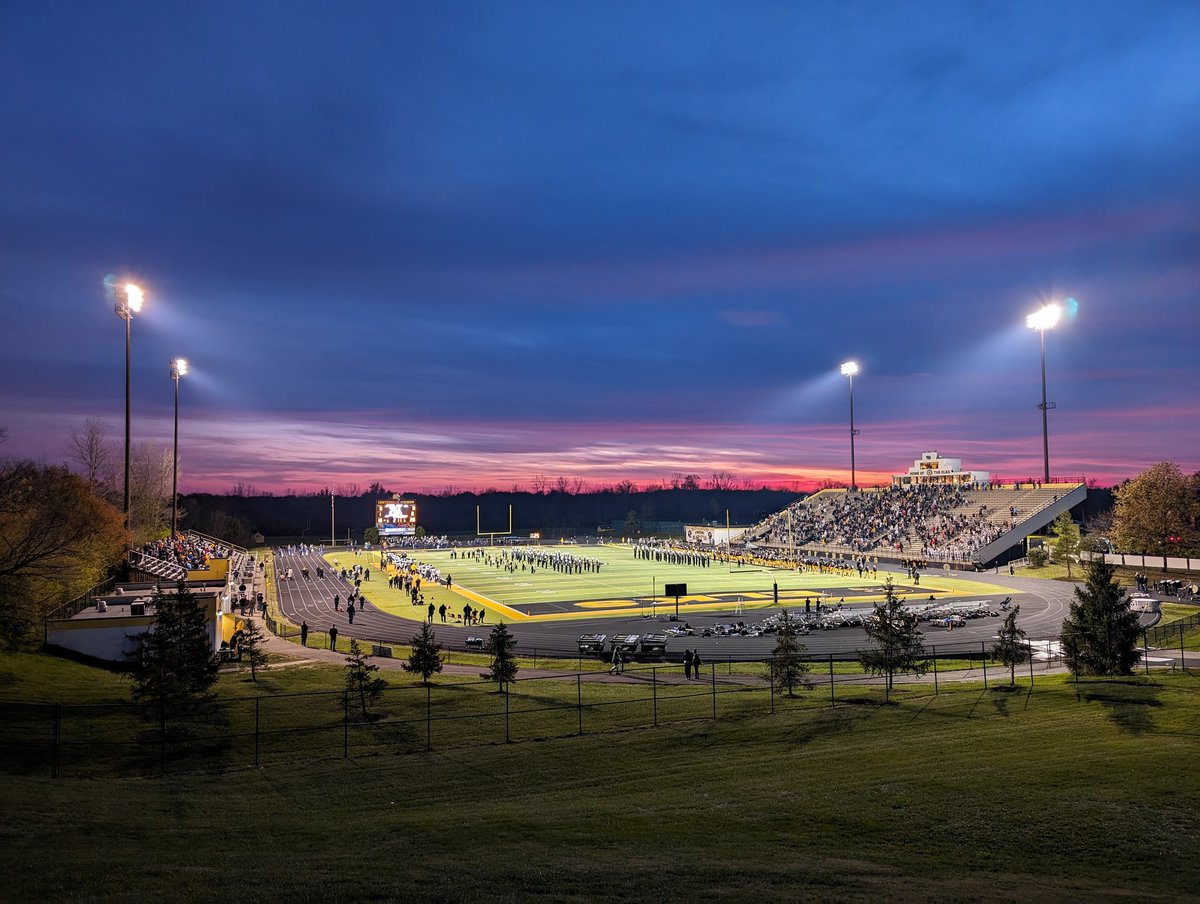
396	518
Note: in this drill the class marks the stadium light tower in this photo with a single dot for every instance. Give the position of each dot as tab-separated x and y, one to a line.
1045	318
129	300
179	368
849	369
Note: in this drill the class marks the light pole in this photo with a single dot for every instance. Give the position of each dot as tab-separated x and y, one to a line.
128	302
849	369
179	368
1041	320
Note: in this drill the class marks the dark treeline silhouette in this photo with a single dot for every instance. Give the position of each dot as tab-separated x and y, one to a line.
238	517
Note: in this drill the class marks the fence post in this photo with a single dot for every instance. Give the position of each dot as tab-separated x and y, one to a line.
654	692
346	723
729	664
771	675
428	717
507	736
1031	667
832	701
983	656
257	701
1145	651
714	689
579	698
935	675
54	751
1182	661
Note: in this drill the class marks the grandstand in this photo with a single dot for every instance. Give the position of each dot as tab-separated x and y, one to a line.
102	622
950	516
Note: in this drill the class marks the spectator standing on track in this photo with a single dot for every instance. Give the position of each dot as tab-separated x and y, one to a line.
333	637
337	602
304	634
431	611
687	664
696	663
350	613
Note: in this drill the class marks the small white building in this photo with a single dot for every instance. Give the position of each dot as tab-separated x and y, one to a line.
711	535
931	468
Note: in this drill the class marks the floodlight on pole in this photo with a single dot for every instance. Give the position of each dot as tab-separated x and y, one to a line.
179	368
1045	318
129	300
849	369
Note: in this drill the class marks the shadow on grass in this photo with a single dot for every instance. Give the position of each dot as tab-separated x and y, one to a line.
1005	695
1129	703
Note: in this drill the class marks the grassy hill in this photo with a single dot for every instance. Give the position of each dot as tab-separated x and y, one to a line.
1071	792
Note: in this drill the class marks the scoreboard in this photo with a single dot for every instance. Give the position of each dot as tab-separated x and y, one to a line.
396	517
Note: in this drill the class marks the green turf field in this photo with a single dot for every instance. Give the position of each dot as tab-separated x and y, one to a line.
626	585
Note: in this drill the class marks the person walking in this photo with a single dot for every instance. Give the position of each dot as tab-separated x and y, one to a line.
333	637
687	664
432	609
616	661
350	613
696	663
442	612
304	634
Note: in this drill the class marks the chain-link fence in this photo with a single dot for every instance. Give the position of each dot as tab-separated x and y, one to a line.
222	734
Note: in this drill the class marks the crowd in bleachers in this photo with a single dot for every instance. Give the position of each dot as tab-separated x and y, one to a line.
859	521
187	550
946	523
957	536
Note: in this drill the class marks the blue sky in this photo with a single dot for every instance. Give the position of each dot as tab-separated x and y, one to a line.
464	244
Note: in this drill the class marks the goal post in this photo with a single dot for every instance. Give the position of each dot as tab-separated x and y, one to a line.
493	534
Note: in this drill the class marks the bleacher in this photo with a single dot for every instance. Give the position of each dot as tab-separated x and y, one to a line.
1013	511
174	559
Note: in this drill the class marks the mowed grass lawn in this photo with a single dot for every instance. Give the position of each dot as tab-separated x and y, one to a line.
1074	792
625	582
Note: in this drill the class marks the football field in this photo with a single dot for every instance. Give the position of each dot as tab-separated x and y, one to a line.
626	585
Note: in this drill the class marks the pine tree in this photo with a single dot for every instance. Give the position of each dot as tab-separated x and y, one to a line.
504	663
174	661
1066	540
426	657
1010	647
1100	634
788	669
897	645
254	646
361	680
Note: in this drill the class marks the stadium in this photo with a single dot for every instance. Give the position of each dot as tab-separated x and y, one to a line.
943	537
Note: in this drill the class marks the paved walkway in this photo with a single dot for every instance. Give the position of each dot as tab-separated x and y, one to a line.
298	655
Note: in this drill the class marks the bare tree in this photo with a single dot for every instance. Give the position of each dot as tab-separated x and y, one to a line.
540	484
562	485
94	453
578	487
149	491
722	480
